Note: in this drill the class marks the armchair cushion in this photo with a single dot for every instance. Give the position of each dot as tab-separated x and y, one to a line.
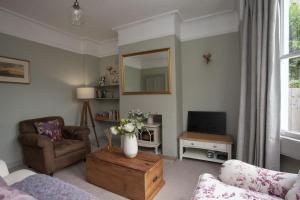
243	175
67	146
50	129
210	188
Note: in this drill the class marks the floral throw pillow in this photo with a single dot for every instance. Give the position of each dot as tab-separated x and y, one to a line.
209	188
294	193
50	129
243	175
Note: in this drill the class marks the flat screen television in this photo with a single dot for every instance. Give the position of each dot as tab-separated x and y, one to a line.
207	122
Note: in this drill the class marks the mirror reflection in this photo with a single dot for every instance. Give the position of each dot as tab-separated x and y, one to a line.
146	72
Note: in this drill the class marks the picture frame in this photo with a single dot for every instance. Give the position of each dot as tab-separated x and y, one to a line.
14	70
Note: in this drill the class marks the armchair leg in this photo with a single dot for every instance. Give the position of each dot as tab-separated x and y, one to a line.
51	174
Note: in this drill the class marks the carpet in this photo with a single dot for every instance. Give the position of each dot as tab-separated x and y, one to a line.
180	177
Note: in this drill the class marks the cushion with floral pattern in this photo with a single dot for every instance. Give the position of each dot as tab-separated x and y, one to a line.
210	188
50	129
243	175
294	193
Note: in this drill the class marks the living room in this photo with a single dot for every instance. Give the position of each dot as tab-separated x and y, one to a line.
212	66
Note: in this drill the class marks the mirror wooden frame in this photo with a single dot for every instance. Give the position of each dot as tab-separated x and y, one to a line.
168	91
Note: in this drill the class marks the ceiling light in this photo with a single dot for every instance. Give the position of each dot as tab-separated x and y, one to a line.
76	14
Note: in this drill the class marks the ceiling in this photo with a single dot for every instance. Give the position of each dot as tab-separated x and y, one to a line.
102	15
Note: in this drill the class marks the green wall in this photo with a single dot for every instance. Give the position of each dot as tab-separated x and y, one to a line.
55	74
214	86
133	79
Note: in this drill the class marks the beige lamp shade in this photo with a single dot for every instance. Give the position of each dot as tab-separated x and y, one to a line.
85	93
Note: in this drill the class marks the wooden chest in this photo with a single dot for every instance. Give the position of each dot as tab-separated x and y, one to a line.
138	178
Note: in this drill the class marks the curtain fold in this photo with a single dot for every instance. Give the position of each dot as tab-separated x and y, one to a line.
258	139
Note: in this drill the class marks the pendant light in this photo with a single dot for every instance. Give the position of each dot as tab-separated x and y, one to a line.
76	14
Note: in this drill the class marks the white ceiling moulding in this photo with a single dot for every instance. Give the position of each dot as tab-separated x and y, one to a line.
171	23
149	28
20	26
210	25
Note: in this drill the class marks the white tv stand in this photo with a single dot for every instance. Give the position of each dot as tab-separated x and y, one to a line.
196	145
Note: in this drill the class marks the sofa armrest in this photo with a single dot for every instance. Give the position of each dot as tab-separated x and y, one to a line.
75	132
35	140
243	175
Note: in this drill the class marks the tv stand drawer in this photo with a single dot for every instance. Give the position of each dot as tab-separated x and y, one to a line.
196	144
215	146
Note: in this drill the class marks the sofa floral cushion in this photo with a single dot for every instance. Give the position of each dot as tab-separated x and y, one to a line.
50	129
210	188
294	193
243	175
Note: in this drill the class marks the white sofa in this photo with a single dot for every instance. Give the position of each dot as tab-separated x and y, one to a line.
239	180
11	178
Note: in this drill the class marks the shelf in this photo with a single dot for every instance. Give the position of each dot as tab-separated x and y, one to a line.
107	98
114	85
107	120
200	155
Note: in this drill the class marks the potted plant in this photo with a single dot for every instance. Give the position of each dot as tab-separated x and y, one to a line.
129	128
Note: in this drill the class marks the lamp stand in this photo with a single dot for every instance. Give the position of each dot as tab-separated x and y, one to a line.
86	109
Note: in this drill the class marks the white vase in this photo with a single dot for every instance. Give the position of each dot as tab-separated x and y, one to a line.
130	146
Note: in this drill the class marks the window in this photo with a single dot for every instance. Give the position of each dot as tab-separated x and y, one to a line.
290	66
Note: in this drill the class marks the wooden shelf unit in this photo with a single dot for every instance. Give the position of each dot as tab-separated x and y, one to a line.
195	146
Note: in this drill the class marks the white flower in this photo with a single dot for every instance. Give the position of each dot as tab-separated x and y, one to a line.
114	130
129	127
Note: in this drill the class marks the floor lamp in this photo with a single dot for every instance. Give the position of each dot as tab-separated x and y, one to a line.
85	94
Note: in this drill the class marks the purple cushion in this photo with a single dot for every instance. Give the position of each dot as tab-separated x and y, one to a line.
2	182
50	129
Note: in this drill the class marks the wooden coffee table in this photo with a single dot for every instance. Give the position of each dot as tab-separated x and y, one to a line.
137	178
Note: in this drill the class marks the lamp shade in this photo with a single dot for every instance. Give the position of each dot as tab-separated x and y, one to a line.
85	93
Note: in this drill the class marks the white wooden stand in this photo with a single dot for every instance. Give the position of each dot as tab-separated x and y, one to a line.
196	145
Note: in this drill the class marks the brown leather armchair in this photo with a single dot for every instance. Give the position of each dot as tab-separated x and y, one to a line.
45	156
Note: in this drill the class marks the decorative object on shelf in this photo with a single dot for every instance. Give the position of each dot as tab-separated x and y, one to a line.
76	14
207	57
130	127
101	81
14	70
112	115
113	75
108	135
85	94
210	154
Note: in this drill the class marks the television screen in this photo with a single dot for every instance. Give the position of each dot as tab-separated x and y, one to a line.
207	122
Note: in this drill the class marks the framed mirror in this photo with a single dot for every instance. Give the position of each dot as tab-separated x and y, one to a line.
147	72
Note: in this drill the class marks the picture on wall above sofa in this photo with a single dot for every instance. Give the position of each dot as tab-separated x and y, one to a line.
14	70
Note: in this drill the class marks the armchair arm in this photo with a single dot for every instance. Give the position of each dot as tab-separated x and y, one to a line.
243	175
35	140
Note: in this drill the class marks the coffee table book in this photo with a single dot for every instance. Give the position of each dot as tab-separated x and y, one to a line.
138	178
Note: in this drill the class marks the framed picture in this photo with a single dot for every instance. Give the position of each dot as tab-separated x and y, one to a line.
14	70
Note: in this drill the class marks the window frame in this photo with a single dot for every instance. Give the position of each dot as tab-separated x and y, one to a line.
285	56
